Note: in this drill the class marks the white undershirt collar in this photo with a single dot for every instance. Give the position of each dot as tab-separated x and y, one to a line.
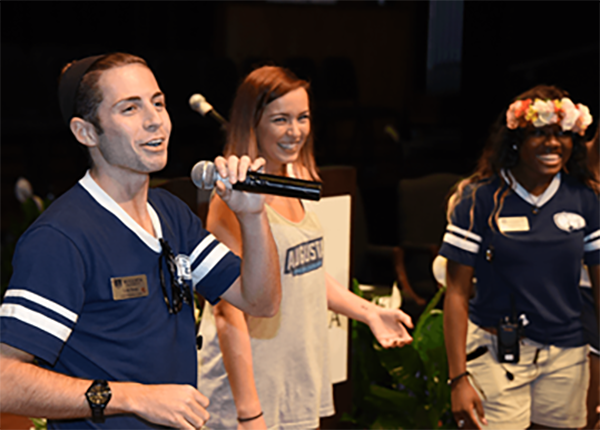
536	201
107	202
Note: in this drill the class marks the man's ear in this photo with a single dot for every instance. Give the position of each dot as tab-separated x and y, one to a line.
84	131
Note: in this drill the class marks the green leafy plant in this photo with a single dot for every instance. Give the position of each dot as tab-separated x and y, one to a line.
39	423
402	388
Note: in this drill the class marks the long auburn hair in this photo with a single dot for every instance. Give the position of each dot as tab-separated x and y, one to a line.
258	89
499	154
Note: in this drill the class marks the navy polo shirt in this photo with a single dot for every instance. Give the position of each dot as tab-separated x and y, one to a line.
538	244
86	300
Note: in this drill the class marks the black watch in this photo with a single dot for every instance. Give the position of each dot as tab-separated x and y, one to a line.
98	396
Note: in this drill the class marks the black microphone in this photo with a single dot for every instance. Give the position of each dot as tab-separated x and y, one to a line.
204	108
204	175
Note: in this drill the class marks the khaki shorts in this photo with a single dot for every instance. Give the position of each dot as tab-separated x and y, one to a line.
549	390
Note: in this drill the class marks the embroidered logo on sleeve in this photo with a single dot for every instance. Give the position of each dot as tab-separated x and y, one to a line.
184	267
568	221
305	257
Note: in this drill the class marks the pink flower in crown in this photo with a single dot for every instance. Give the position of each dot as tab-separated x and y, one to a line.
584	119
570	114
516	112
545	113
511	117
522	108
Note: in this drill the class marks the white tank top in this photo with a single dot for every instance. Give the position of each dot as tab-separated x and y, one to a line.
290	350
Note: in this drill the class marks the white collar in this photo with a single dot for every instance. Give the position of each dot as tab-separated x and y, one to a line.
107	202
536	201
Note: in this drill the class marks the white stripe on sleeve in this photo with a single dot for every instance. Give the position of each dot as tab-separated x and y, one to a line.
201	247
591	236
461	243
36	319
211	260
592	246
464	233
42	301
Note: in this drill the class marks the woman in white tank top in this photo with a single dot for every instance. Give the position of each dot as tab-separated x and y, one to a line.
273	373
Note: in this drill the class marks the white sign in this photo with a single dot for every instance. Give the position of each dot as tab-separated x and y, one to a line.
334	215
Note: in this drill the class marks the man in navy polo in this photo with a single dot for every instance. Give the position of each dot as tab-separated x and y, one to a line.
98	318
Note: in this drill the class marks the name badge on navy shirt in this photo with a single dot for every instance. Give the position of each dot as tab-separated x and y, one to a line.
129	287
513	223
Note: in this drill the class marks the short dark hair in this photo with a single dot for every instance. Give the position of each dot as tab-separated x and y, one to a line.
89	94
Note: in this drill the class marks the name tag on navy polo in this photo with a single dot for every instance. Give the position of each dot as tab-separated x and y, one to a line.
513	224
129	287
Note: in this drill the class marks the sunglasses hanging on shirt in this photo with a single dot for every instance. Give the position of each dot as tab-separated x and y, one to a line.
180	290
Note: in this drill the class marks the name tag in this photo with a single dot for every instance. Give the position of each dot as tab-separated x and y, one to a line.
129	287
512	224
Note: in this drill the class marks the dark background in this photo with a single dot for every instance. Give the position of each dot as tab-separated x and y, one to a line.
366	60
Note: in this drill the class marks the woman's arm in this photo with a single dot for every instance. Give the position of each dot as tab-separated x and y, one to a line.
234	338
387	325
456	314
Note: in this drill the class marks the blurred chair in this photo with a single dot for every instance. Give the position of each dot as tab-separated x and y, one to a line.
421	225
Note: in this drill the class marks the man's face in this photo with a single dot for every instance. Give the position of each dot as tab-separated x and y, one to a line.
134	119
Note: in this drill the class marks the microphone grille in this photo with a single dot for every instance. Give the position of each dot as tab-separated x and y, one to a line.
203	175
199	104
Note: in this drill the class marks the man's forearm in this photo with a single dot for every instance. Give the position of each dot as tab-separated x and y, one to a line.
33	391
30	390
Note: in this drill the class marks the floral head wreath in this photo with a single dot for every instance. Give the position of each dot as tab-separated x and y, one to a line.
539	113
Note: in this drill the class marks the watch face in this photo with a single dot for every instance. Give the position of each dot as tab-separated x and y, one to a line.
98	394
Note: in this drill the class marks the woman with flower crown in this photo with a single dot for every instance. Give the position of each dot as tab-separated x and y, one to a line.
521	226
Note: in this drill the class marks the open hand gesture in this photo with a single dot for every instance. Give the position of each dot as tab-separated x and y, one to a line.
389	327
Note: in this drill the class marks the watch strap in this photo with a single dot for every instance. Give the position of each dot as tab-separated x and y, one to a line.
98	408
